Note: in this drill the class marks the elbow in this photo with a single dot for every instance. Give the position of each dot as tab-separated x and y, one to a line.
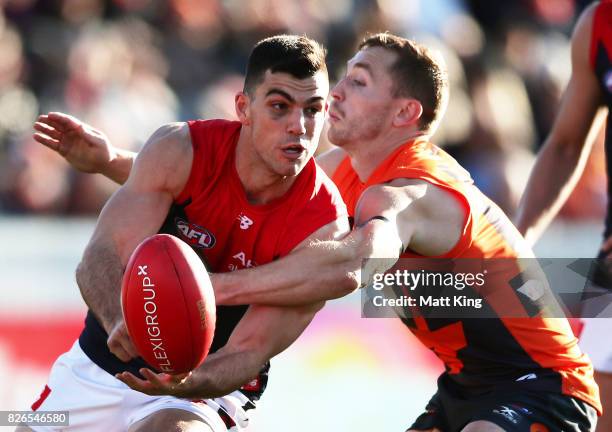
84	267
81	272
348	282
352	281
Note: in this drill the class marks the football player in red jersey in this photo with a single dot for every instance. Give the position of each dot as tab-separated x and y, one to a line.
410	199
232	181
583	111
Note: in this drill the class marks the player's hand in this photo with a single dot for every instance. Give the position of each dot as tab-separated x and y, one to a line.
85	148
119	342
155	384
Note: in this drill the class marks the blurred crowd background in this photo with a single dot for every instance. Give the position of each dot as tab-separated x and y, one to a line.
128	66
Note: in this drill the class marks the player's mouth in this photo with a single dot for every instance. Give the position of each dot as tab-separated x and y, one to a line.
293	150
334	115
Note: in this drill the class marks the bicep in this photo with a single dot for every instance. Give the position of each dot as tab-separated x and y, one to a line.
138	209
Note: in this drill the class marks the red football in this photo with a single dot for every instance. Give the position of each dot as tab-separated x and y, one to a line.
168	304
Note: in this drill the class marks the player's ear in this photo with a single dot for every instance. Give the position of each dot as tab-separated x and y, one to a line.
408	113
242	104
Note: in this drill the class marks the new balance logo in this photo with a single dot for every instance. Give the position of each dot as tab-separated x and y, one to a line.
245	222
527	377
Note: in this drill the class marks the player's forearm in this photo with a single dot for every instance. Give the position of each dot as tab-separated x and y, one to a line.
322	271
552	180
221	374
99	278
118	169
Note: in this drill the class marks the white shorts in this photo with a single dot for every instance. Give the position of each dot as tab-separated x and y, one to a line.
98	402
595	342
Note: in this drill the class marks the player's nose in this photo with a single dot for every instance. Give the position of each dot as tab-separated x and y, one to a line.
297	123
337	92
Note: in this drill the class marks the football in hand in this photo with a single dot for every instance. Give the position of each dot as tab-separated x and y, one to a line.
168	304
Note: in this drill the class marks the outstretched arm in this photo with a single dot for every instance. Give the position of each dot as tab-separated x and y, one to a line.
561	161
415	214
84	147
263	332
134	212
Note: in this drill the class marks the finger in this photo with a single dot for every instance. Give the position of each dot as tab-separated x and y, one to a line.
158	380
118	350
126	341
134	382
65	121
47	141
43	118
128	346
48	130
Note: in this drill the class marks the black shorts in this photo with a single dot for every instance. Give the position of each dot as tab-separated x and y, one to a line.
512	410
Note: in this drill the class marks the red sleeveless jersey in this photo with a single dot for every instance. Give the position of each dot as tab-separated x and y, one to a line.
226	230
482	353
212	214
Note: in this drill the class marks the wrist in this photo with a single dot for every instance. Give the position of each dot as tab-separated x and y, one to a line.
193	387
113	158
119	164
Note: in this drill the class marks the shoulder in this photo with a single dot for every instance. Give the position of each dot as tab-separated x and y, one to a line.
165	159
391	198
330	160
429	219
433	201
169	139
213	128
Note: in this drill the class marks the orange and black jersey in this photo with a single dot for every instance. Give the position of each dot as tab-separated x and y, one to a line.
601	62
482	353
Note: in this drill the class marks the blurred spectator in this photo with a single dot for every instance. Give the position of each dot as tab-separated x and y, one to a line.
126	66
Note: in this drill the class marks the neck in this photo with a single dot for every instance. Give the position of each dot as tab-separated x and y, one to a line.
366	156
260	184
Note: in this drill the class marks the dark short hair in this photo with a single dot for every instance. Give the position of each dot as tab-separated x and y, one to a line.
299	56
416	73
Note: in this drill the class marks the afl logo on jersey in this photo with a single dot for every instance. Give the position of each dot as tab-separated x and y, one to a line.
195	235
607	80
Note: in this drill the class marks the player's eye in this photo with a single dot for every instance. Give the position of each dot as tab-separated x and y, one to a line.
313	110
356	82
279	106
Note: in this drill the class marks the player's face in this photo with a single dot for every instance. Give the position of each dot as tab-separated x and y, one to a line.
286	118
361	103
